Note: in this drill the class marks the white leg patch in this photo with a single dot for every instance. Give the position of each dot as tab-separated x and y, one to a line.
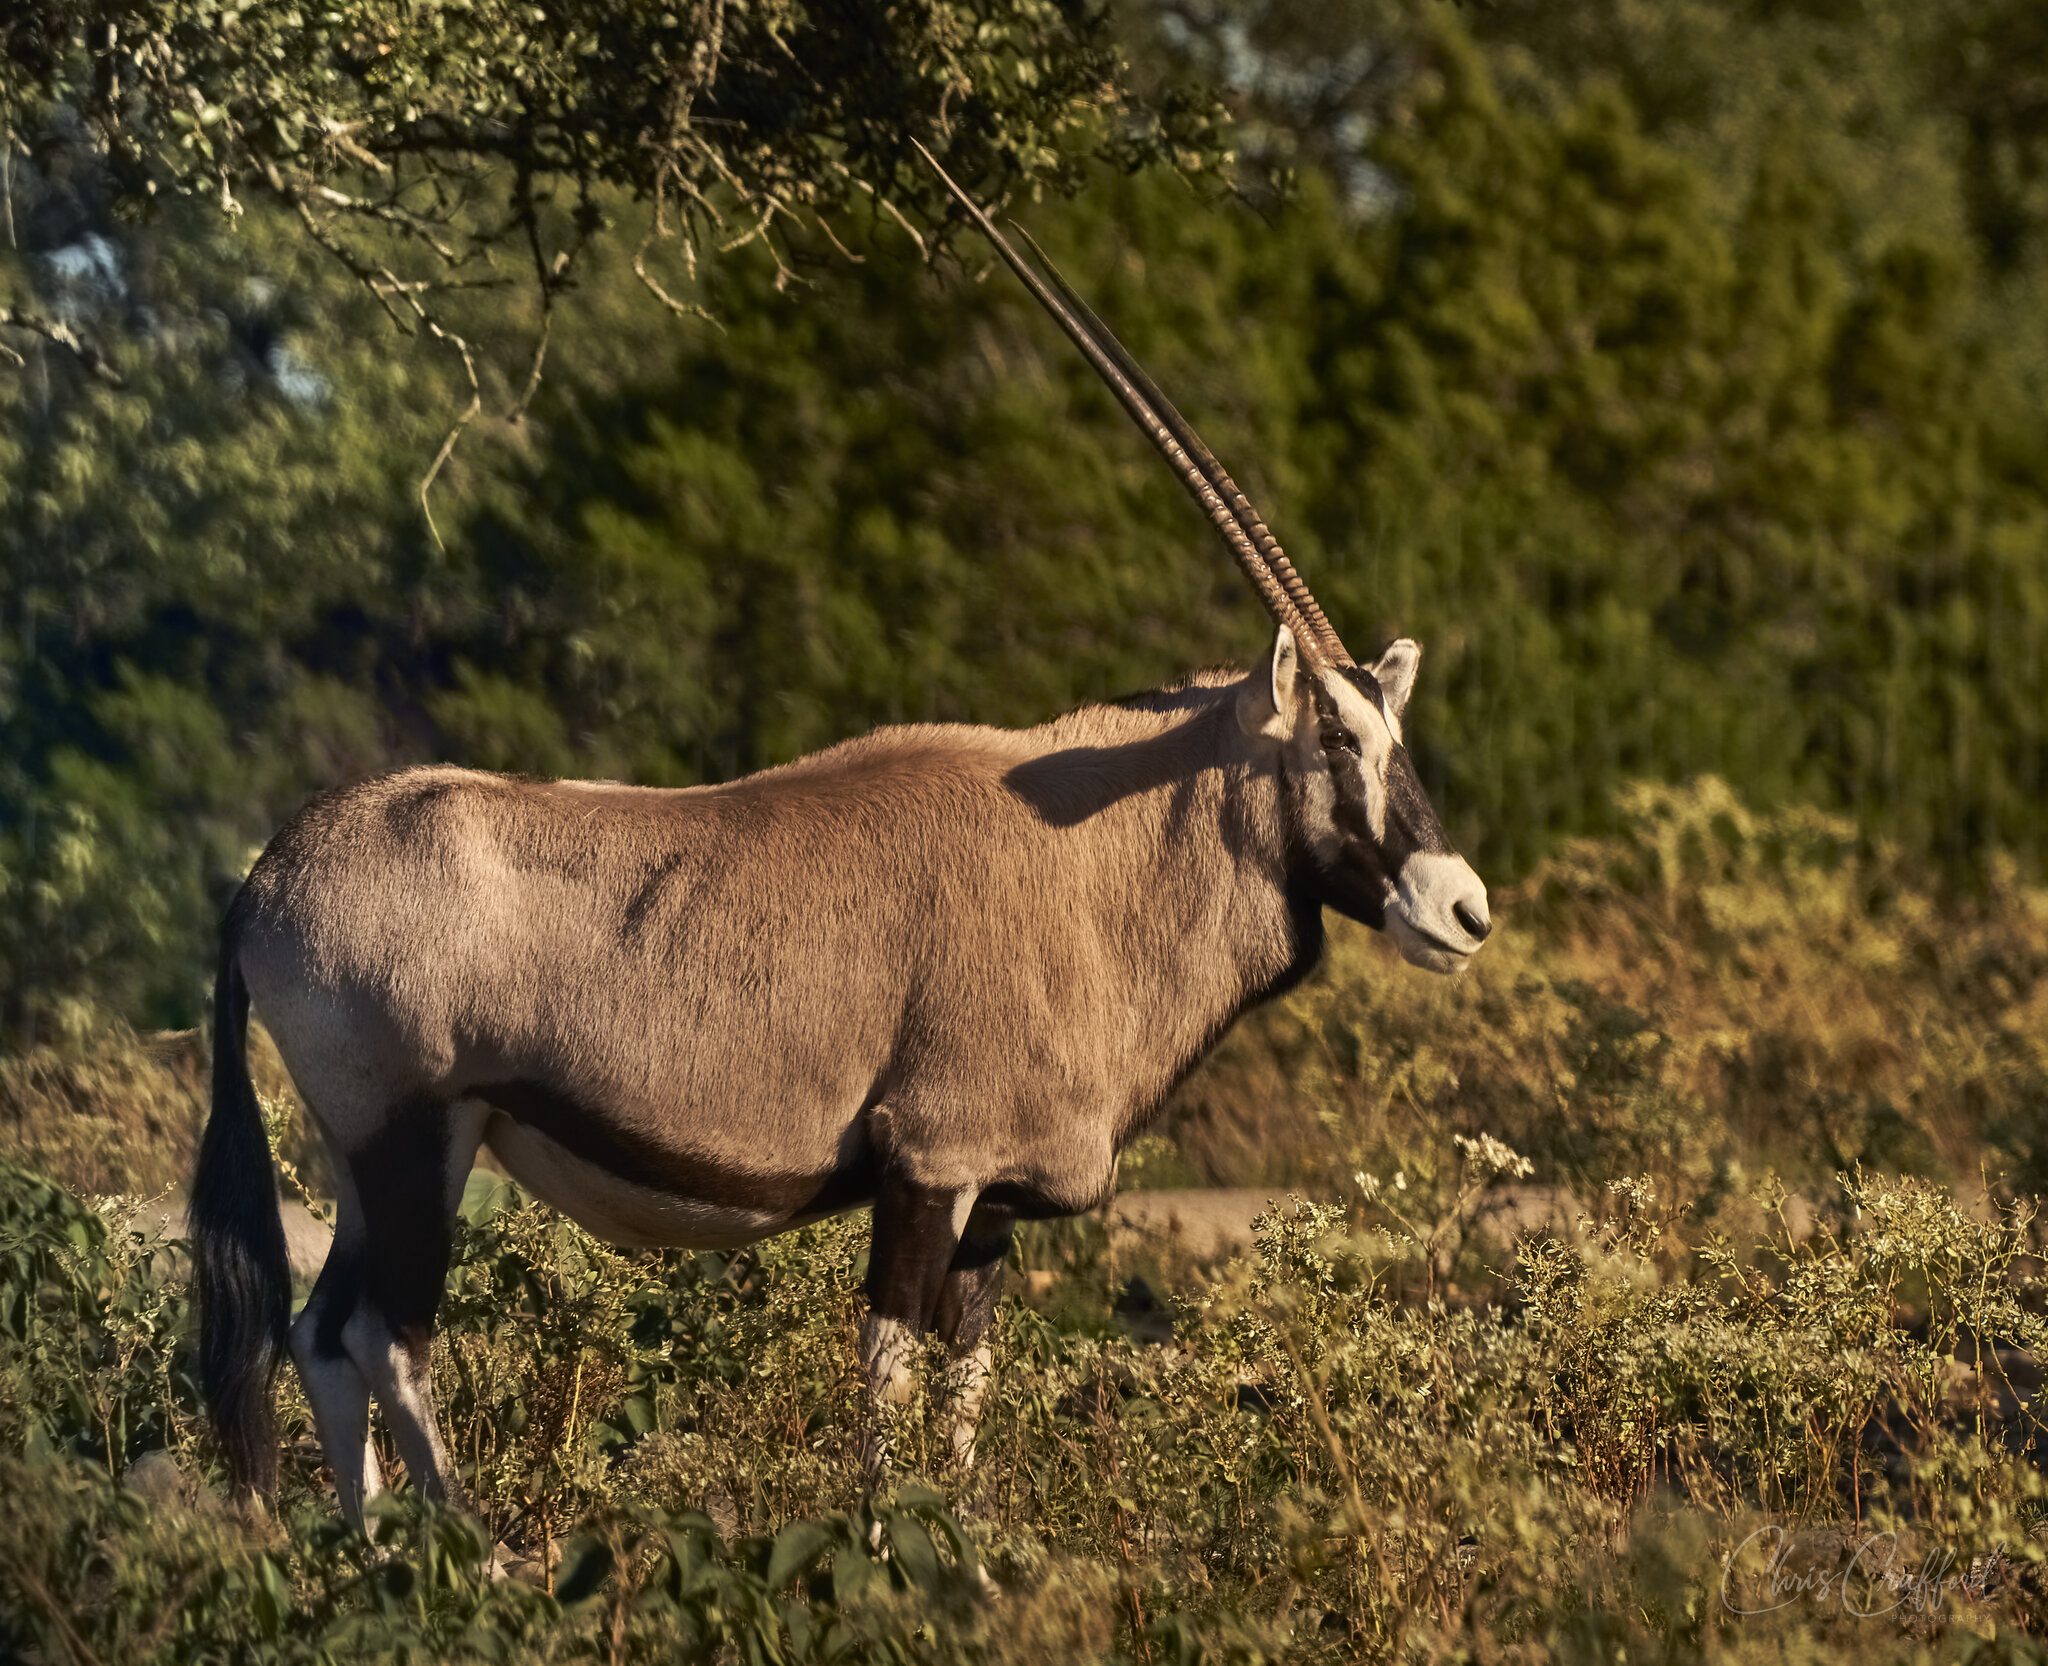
340	1398
373	1472
404	1391
966	1383
887	1349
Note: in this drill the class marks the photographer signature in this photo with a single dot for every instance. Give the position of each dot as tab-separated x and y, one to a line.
1867	1575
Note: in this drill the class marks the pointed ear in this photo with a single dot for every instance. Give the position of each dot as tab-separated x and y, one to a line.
1266	707
1395	672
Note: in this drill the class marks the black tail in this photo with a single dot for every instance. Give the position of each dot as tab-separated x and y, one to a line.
241	1273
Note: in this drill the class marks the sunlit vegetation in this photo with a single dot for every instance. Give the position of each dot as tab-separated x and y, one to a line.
1655	374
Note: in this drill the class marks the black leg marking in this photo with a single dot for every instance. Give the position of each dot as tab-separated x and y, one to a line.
915	1235
967	1299
402	1178
967	1303
334	1296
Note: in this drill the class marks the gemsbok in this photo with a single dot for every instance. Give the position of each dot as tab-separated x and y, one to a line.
944	970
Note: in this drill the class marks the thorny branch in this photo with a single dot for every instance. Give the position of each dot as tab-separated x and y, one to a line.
62	335
386	287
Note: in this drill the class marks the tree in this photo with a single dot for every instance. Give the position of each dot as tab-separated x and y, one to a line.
431	149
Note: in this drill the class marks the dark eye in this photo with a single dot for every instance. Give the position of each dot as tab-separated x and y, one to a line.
1339	740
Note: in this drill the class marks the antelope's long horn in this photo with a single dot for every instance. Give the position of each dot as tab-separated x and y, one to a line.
1213	471
1116	368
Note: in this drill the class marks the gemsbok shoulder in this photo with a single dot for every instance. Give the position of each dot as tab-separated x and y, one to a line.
943	970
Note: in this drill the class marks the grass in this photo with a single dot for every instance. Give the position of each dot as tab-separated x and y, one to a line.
1768	1393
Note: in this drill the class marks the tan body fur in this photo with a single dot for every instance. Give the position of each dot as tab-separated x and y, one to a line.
981	956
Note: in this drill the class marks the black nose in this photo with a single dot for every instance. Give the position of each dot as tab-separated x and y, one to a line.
1470	921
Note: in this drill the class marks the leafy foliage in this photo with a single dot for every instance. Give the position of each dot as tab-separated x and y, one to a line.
1313	1468
1671	370
1589	1348
1709	993
427	149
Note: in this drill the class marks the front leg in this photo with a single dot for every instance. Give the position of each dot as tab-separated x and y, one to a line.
967	1302
916	1233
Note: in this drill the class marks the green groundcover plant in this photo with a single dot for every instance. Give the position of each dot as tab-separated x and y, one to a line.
1636	1436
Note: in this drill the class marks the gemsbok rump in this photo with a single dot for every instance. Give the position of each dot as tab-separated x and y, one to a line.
943	970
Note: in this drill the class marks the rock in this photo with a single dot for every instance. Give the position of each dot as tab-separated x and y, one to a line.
528	1567
159	1478
306	1238
1207	1223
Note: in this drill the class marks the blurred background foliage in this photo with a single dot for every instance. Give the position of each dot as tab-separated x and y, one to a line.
1673	371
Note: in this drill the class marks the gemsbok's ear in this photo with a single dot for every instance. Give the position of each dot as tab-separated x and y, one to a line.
1266	707
1395	672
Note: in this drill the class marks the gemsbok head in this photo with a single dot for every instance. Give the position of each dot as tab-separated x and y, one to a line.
943	970
1370	837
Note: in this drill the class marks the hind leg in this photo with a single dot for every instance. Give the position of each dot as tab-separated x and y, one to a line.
409	1177
336	1388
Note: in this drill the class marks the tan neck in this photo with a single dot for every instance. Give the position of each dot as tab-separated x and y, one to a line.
1182	825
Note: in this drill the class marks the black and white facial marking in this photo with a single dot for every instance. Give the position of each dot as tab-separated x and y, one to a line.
1372	838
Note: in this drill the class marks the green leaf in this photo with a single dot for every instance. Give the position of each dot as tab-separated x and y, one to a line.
584	1570
914	1553
853	1571
797	1547
273	1597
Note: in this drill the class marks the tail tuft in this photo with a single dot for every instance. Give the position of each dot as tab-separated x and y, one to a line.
241	1273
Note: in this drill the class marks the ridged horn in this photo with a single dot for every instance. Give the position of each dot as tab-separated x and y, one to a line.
1191	442
1193	463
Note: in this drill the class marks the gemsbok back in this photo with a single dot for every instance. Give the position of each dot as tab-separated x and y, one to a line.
944	970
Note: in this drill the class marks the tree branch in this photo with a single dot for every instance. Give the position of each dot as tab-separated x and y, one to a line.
64	336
